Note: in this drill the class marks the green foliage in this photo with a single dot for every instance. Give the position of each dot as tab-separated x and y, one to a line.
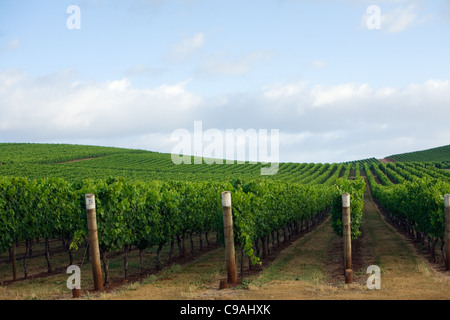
7	219
261	207
144	214
419	199
75	162
150	201
30	209
356	189
421	202
439	154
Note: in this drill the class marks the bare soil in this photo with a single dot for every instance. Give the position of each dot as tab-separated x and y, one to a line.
386	160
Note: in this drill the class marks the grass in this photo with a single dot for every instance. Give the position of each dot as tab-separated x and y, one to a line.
304	260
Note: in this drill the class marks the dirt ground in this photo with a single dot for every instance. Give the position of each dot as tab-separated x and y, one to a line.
386	160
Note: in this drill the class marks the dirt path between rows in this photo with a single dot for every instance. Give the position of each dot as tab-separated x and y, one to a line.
311	269
386	160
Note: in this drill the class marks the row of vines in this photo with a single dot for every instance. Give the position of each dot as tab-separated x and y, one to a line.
415	205
142	215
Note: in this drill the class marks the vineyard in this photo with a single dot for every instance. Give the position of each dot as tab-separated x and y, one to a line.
152	214
86	162
439	156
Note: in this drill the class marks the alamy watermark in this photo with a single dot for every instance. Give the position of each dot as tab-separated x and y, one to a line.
214	146
374	280
373	21
73	22
74	281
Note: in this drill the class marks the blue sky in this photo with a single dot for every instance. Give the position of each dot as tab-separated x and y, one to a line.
138	70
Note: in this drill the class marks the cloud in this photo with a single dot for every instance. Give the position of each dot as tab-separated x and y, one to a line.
317	123
222	64
319	64
283	91
13	44
64	108
346	121
182	51
398	19
8	78
142	70
333	94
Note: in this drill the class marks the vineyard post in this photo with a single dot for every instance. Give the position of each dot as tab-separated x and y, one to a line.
447	231
229	237
347	235
94	251
76	293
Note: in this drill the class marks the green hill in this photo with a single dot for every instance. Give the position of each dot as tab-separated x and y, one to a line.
439	154
74	162
79	162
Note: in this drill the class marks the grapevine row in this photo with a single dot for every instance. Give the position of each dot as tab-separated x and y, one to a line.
416	206
152	214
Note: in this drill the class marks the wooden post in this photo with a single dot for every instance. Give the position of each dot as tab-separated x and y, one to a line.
74	281
347	235
223	284
230	256
447	231
76	293
94	251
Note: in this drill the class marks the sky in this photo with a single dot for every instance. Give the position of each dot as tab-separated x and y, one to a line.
340	80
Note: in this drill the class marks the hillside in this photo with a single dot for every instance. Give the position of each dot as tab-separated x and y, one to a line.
439	154
79	162
75	162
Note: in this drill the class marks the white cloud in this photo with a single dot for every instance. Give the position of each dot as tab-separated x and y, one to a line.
283	91
398	19
67	109
348	121
319	64
142	70
182	51
9	78
118	85
220	64
13	44
317	123
330	95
